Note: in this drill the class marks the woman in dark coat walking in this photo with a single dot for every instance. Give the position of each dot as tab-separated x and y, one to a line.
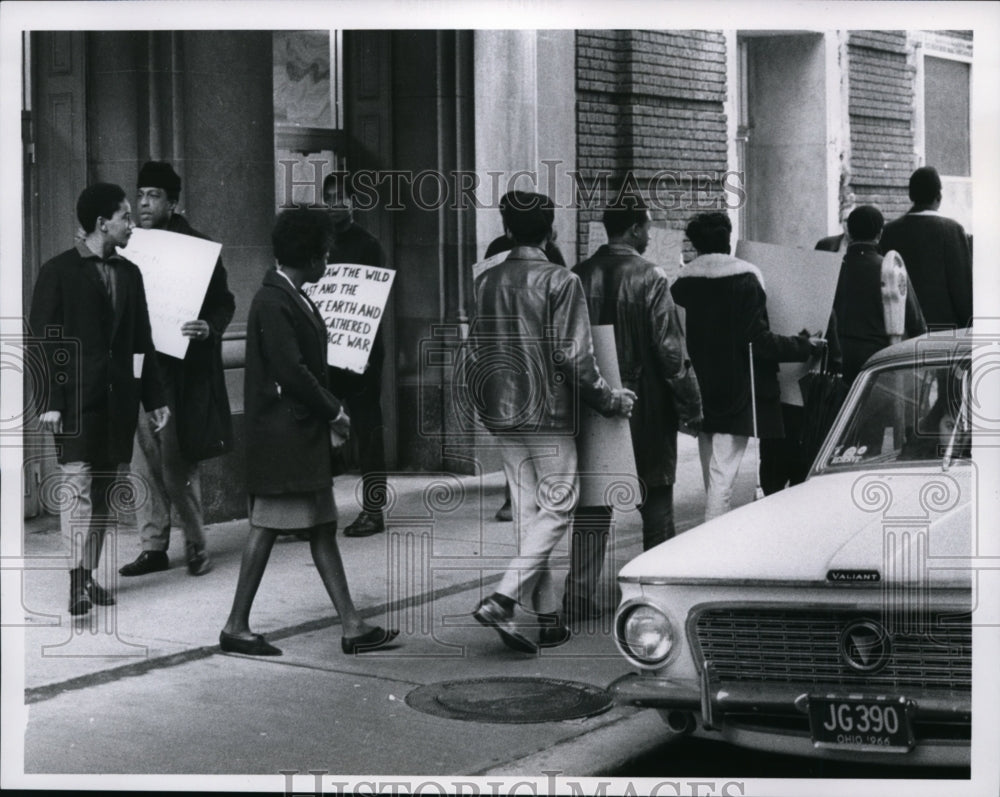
726	311
289	415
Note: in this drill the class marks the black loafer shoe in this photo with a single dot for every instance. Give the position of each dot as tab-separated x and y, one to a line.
554	637
198	562
79	599
552	631
371	640
258	646
147	562
98	594
493	615
366	524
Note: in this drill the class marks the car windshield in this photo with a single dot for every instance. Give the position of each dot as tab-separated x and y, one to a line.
907	414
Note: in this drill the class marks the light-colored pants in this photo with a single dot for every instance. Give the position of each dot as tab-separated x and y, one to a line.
721	455
89	501
168	479
542	472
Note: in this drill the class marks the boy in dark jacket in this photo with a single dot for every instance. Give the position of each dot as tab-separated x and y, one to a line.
726	313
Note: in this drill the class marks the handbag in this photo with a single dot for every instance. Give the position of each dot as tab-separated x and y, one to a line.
823	394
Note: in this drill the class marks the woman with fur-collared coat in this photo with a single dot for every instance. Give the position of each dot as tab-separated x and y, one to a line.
726	310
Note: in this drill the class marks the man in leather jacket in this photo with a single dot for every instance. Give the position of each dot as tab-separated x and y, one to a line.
532	361
633	295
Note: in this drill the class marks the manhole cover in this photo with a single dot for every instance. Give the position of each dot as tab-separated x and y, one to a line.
510	700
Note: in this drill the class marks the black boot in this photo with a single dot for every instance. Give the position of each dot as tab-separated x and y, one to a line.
79	596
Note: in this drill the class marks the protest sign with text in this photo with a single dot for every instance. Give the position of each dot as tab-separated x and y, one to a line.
176	270
351	298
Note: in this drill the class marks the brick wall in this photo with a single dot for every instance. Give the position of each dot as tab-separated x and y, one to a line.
881	108
650	117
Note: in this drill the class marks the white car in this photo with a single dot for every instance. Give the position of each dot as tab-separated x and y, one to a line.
831	619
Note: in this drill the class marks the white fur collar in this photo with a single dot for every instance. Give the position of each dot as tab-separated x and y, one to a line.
719	265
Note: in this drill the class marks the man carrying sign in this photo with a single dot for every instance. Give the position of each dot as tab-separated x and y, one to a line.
196	393
531	363
361	392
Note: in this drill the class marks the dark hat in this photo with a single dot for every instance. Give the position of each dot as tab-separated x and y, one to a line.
865	223
160	174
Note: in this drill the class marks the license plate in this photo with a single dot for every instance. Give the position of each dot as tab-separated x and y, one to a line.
879	724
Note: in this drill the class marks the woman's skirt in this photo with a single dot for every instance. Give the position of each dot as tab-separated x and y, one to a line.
293	511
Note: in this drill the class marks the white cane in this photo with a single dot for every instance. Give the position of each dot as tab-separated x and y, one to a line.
758	492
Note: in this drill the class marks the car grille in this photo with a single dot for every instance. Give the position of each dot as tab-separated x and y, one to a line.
803	647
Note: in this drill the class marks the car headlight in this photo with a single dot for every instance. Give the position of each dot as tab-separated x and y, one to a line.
644	634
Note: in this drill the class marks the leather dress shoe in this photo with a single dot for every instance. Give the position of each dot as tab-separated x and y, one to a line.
491	614
147	562
554	632
98	594
258	646
505	513
79	596
370	640
198	561
366	524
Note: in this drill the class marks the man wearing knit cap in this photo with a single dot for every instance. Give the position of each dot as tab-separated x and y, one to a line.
199	427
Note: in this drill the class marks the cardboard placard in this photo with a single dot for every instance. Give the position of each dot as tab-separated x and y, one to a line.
800	286
351	298
605	459
176	270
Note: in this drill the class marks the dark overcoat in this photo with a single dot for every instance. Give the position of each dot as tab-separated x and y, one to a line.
288	404
204	425
858	307
89	350
726	310
633	295
938	257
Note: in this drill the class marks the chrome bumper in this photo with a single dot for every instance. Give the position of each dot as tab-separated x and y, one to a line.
653	691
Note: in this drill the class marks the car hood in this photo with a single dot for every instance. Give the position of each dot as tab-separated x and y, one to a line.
911	524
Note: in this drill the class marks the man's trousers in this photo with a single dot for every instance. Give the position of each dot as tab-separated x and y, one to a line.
542	472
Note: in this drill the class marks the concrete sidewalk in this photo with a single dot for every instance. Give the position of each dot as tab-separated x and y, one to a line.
103	692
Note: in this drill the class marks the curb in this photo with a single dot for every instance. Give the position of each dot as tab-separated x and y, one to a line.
594	753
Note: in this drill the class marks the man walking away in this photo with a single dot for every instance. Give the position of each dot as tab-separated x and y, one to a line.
937	254
632	294
532	314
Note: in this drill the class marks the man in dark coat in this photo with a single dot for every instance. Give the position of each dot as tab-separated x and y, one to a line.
361	392
89	306
726	313
199	426
633	295
937	254
858	304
